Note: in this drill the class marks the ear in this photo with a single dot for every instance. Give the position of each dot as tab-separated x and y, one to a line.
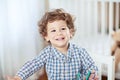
71	33
47	39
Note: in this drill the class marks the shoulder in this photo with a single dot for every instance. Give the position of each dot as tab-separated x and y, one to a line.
45	51
78	49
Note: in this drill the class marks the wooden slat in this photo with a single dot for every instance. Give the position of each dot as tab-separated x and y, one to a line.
103	18
110	18
117	16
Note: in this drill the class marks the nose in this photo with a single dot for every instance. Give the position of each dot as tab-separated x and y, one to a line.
59	32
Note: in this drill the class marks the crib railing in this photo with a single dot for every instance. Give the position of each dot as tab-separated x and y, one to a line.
108	62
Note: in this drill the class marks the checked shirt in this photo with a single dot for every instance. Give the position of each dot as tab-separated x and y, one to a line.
60	66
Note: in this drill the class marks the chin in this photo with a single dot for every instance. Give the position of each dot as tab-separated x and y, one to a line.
62	45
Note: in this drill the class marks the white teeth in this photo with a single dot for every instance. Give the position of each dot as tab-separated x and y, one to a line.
60	39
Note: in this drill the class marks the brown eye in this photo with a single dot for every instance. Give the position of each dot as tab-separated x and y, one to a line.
53	30
63	28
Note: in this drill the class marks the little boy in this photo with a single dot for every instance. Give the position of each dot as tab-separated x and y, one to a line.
62	59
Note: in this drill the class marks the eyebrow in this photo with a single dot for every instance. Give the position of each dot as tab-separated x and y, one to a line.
60	26
51	28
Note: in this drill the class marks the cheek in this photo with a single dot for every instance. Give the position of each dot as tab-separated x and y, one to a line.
51	36
68	34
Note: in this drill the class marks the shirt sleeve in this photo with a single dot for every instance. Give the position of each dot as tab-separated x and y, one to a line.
32	66
88	63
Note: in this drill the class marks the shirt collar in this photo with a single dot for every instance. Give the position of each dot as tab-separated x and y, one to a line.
59	55
70	52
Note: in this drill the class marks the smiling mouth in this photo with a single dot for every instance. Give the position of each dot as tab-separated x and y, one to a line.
59	39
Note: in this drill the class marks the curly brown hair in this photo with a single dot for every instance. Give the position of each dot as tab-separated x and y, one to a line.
51	16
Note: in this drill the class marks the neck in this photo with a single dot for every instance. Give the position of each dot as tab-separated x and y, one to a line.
63	49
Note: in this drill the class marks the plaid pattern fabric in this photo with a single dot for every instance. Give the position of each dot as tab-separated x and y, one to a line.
60	66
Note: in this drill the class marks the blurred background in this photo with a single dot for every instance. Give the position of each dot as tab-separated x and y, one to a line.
20	40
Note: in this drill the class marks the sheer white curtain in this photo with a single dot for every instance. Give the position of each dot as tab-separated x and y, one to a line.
19	36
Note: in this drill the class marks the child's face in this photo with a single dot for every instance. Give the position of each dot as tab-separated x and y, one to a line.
58	34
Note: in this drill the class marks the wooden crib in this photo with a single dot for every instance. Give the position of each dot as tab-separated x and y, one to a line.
107	62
